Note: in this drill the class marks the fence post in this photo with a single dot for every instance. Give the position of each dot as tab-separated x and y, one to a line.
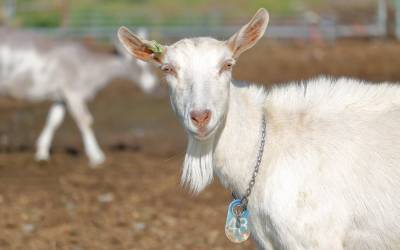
397	3
382	17
9	9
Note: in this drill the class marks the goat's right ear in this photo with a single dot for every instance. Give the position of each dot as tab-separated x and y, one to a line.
140	48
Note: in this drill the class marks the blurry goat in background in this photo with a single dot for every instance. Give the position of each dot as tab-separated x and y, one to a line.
35	69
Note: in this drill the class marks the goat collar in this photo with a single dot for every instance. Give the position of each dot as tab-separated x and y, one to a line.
245	199
236	228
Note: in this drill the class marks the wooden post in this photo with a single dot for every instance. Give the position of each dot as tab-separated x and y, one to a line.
63	7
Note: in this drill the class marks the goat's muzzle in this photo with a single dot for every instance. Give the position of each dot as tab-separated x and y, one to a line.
200	118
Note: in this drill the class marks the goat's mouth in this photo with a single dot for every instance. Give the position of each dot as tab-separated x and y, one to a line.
203	134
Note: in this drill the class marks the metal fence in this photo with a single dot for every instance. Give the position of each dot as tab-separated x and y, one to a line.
304	28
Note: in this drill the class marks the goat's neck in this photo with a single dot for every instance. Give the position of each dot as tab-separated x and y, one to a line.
237	144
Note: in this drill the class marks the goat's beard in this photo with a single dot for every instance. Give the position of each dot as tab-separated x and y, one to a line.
198	165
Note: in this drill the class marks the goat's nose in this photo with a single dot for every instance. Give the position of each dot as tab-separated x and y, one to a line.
200	118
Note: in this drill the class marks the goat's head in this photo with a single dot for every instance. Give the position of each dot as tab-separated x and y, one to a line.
198	72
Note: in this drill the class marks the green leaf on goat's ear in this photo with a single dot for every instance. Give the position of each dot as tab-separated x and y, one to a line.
155	47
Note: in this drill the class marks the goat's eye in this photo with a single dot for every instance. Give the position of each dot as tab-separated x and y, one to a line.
167	68
228	65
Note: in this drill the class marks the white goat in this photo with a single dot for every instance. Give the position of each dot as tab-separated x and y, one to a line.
330	175
36	69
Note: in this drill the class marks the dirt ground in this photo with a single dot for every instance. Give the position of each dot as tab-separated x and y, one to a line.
135	201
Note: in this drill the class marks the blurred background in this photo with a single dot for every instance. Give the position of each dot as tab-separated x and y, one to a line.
134	200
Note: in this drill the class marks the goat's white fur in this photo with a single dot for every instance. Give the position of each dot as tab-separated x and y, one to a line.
198	166
54	120
35	68
330	174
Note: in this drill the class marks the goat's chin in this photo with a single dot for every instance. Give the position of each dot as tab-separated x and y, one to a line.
198	165
204	135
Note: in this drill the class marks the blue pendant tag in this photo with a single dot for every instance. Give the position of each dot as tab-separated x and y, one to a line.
237	226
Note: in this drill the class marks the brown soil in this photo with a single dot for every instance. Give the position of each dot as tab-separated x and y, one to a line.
134	201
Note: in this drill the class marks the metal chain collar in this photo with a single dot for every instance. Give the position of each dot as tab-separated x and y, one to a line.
245	199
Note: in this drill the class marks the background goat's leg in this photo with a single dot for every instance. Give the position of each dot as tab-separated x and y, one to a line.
84	120
54	120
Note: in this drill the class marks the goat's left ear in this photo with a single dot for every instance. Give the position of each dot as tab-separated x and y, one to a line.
149	51
249	34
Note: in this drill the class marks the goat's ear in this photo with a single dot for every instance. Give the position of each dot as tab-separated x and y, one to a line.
249	34
149	51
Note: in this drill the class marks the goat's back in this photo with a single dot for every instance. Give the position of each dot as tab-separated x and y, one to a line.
33	66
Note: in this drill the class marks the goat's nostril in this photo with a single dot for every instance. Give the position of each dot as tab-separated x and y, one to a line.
200	118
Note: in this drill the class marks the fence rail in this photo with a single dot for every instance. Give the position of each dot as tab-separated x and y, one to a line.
306	32
101	27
